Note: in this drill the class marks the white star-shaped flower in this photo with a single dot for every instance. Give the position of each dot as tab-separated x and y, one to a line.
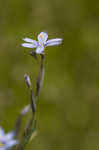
41	43
7	141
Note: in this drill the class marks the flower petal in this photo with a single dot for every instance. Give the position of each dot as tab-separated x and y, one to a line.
53	42
10	144
1	132
2	148
39	50
42	37
28	45
9	136
30	41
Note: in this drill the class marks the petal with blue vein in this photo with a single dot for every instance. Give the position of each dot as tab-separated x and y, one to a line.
42	37
28	45
53	42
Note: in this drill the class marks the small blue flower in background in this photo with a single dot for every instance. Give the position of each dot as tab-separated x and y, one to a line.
41	43
7	140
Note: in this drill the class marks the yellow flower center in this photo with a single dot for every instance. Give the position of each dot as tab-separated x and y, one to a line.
41	35
42	45
1	144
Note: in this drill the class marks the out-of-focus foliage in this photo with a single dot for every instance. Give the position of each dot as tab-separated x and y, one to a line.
68	106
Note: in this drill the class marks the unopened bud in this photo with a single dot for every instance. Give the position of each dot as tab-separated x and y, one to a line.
27	80
25	109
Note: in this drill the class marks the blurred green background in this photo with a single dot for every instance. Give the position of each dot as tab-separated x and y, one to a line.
68	106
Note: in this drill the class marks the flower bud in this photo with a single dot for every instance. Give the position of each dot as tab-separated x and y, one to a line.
27	80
